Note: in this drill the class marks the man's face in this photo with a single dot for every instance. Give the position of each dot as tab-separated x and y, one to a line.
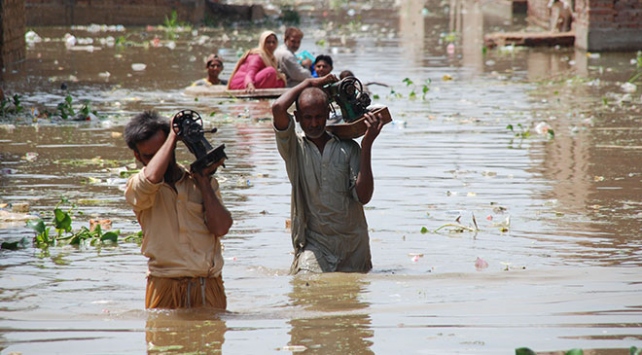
312	116
146	150
293	42
214	68
322	68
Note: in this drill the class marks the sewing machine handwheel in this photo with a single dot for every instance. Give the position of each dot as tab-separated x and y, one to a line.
179	119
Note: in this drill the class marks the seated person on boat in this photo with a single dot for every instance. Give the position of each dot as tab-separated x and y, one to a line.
257	68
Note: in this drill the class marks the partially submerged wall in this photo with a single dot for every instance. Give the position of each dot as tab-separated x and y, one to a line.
608	25
111	12
12	33
135	12
599	25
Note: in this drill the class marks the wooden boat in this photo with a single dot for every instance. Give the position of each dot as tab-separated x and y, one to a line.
357	128
222	91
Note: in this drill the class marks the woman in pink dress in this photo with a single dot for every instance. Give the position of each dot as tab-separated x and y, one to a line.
257	68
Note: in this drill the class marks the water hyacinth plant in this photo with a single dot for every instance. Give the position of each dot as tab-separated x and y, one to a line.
11	105
61	222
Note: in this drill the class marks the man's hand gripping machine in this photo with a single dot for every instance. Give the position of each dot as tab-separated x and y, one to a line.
188	126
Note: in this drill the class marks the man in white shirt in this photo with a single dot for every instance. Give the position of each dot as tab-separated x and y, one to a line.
288	63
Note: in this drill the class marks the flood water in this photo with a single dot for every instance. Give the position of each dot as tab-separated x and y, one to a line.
559	218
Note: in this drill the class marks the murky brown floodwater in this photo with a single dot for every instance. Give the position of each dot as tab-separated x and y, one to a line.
560	220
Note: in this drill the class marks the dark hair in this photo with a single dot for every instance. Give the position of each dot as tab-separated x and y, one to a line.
323	57
143	127
213	57
345	74
292	31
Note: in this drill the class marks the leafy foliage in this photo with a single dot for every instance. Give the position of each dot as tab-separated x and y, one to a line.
62	224
523	132
290	16
11	105
66	109
425	87
638	68
172	25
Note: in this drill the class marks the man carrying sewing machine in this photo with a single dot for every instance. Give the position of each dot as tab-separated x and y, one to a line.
182	218
331	181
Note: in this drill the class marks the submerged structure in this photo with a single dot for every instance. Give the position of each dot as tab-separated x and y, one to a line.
591	25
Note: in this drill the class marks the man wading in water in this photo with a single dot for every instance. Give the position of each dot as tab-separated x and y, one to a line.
182	217
331	181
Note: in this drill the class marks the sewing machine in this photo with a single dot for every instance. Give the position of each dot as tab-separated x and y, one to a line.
353	103
188	126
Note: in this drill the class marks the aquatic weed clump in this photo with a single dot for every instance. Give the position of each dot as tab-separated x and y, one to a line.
63	234
11	106
13	110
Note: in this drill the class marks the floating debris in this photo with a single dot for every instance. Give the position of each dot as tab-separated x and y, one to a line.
294	348
139	66
480	264
629	87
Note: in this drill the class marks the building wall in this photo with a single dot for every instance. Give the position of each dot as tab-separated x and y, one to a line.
599	25
12	33
111	12
608	25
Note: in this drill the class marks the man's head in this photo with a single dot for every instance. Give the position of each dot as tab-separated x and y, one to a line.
293	38
214	64
144	128
312	111
323	65
345	74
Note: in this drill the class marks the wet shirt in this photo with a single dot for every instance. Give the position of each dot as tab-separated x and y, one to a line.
176	239
290	66
328	221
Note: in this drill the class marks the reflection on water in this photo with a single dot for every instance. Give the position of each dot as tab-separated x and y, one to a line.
558	219
340	320
184	332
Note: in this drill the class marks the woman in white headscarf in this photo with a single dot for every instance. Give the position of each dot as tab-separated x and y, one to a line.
257	68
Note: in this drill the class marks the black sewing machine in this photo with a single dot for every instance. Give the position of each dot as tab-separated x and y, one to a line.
354	103
348	94
188	126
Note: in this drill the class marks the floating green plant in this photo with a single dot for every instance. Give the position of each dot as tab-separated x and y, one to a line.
638	68
425	88
172	25
66	109
61	222
522	133
11	105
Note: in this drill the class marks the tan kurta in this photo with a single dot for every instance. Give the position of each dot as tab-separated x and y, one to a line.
329	228
176	239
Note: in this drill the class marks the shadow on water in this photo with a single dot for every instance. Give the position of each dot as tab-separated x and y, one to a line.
484	239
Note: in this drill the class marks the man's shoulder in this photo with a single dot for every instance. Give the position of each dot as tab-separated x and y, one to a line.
282	51
346	142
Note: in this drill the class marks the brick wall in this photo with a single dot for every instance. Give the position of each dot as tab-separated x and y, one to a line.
538	13
12	32
599	25
113	12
